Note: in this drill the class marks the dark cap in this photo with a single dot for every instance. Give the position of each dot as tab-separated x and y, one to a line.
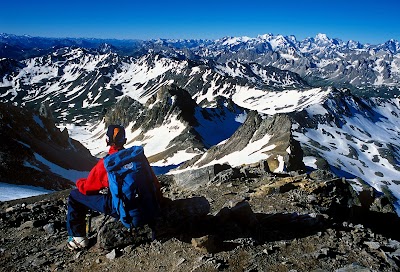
115	135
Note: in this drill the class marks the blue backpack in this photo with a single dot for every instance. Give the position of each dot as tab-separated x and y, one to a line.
132	187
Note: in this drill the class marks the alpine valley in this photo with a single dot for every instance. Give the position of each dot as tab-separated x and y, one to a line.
297	106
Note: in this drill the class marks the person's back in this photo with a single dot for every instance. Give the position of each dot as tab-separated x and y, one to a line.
90	193
133	186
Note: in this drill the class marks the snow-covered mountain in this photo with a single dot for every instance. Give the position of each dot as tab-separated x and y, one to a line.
332	60
171	126
356	138
80	83
371	70
322	128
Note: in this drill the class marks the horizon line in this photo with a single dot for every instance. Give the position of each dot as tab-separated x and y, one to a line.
206	39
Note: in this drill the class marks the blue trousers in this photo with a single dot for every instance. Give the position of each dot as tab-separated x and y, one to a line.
78	206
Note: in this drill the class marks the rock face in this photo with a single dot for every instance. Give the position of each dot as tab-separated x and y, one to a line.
173	109
251	221
30	142
281	149
167	101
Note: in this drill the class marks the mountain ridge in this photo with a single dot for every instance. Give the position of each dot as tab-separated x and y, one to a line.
321	60
35	152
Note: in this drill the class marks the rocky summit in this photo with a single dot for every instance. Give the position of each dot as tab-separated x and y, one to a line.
239	219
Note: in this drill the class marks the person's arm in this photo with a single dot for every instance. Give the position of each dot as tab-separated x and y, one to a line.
96	180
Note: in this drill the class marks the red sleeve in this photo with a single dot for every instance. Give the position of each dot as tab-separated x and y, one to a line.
96	180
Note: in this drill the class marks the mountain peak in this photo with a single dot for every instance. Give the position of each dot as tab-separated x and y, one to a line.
266	36
392	45
322	37
235	40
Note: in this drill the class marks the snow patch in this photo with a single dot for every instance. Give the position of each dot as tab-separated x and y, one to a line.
69	174
253	152
13	191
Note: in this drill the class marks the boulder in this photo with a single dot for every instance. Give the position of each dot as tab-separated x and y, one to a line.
256	127
114	235
192	179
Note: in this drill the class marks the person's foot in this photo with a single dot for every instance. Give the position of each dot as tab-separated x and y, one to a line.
76	243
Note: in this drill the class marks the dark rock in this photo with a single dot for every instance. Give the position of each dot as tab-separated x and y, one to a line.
192	179
124	111
113	235
181	216
34	134
228	174
321	175
366	197
354	267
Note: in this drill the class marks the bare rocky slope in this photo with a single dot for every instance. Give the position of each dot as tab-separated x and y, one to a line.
31	142
240	219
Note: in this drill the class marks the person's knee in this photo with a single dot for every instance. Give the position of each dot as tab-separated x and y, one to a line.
75	196
74	193
75	199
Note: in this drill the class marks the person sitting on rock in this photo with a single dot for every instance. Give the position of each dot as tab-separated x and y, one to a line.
92	193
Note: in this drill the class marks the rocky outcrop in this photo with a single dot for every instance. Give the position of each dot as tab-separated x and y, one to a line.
259	223
169	104
256	127
172	100
169	101
125	111
30	142
195	178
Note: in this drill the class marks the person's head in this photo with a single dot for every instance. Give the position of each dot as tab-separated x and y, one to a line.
115	135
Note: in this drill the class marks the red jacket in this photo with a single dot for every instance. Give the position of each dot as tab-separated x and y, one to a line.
97	178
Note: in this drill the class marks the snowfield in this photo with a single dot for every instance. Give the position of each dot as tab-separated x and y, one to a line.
12	191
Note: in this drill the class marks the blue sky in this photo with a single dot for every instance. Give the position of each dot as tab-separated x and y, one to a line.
365	21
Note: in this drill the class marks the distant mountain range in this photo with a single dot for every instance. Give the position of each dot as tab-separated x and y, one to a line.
367	69
80	83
